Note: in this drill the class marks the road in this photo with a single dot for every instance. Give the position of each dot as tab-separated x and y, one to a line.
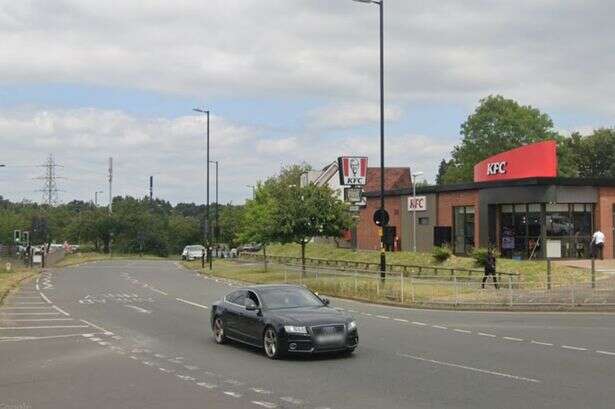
135	334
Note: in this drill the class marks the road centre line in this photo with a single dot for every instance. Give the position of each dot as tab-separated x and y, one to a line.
606	353
484	334
263	404
47	327
513	339
422	324
547	344
400	320
38	319
574	348
439	326
384	317
469	368
463	331
60	310
192	303
14	339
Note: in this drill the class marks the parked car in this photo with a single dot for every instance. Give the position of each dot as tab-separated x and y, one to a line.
193	252
252	247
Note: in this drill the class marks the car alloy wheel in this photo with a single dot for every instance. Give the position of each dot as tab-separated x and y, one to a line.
270	342
219	331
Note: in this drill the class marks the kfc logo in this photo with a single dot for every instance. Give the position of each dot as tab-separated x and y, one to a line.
352	170
496	168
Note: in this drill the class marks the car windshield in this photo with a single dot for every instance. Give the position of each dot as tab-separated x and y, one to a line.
279	298
193	248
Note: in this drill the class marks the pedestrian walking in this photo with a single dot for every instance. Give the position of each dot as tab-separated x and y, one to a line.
597	244
490	268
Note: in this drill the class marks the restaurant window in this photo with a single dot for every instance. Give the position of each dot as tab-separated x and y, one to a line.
463	229
423	221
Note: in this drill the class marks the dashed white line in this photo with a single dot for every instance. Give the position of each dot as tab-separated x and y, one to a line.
485	334
28	338
232	394
47	327
192	303
261	391
290	399
400	320
367	314
422	324
605	353
463	331
439	326
546	344
469	368
207	385
268	405
384	317
574	348
158	291
60	310
513	339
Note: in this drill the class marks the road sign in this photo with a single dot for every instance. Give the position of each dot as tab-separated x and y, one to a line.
353	194
381	217
352	170
417	203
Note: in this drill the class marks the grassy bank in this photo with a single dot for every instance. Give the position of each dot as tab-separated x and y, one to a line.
79	258
529	271
10	279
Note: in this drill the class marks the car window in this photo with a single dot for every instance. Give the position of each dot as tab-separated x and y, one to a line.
289	297
253	297
236	297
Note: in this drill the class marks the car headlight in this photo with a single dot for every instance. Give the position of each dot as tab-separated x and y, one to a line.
291	329
352	325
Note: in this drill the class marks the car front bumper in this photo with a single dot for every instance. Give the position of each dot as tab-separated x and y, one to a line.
306	344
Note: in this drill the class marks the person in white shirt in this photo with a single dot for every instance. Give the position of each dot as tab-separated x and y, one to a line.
597	244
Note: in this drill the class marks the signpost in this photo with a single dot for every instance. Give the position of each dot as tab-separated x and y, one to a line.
353	173
417	204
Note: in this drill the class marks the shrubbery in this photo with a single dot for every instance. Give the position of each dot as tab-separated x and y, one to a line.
441	253
480	255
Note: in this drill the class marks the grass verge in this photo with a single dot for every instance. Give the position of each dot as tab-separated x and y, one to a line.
10	279
79	258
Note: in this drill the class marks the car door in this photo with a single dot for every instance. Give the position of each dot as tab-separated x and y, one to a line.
234	307
251	322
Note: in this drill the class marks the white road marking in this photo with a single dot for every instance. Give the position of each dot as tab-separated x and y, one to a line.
95	339
232	394
513	339
29	302
191	367
30	313
192	303
547	344
19	297
97	327
606	353
384	317
103	343
133	357
45	298
574	348
469	368
366	314
8	339
485	334
463	331
158	291
24	308
292	400
261	391
161	356
141	310
39	319
47	327
185	377
419	323
439	326
268	405
60	310
233	382
400	320
207	385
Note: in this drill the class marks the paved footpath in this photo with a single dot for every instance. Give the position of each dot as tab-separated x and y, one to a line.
135	334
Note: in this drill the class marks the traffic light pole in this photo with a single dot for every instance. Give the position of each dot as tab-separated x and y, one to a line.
383	262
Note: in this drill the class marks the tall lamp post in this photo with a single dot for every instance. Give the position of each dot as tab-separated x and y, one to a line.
380	4
414	176
253	190
207	227
217	230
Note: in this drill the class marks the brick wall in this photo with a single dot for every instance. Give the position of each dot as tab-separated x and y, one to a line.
367	232
604	217
448	200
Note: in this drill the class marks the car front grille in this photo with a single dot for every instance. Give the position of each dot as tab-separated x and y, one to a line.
324	330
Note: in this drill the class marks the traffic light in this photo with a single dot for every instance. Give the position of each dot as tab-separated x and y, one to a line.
25	237
17	236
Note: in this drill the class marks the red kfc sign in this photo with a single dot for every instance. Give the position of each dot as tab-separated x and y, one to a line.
529	161
352	170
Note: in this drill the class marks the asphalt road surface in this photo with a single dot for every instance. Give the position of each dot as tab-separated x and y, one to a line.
135	334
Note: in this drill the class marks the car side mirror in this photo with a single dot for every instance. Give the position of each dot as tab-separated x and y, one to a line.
251	305
325	300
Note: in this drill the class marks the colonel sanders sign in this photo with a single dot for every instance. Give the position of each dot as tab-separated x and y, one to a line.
352	170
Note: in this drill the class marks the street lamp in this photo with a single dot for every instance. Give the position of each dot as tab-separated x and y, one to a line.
208	233
96	197
217	230
380	4
414	176
253	190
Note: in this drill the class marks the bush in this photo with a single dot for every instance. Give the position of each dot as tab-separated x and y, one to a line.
480	256
441	253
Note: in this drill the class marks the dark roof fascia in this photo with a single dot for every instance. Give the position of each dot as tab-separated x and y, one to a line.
559	181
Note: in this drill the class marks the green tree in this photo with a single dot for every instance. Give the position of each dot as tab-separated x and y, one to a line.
441	172
258	218
593	154
498	124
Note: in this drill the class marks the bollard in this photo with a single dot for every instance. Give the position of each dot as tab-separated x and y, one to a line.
548	273
593	272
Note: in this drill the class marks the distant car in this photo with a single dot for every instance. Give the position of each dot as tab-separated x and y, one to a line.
283	319
193	252
252	247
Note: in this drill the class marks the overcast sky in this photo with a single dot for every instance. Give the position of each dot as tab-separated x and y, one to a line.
286	81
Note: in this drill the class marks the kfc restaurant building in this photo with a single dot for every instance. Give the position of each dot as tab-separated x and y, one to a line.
516	202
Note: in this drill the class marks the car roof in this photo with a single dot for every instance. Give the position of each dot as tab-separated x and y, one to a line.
270	286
